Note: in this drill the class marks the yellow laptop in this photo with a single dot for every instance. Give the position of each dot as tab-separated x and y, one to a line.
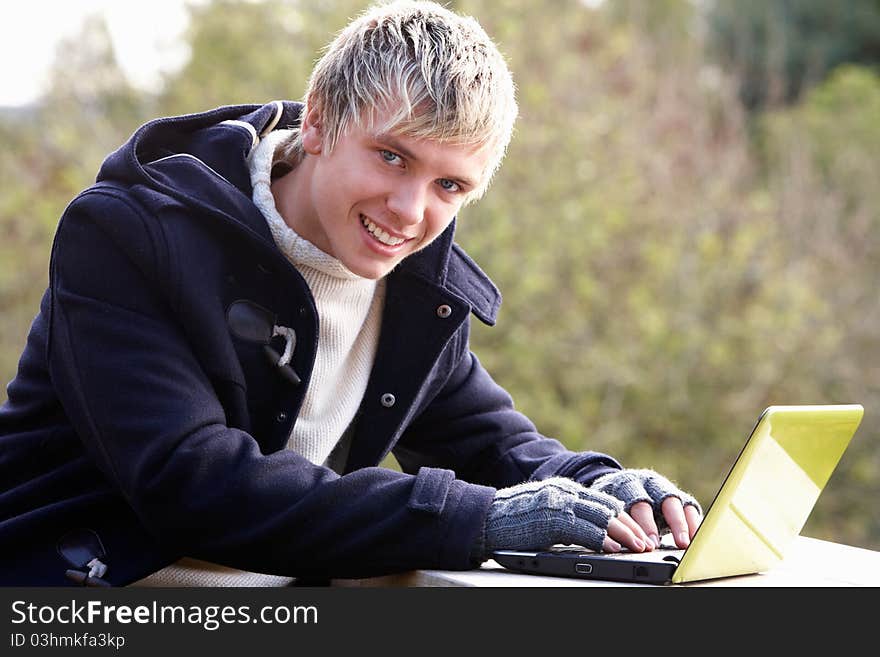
761	507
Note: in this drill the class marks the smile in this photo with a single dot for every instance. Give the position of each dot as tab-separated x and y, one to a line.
379	234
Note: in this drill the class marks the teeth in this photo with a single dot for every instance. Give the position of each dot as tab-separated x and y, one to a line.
380	234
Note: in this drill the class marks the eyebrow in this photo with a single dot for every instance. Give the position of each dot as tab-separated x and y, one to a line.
394	143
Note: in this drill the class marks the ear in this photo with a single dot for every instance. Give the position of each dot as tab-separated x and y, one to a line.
311	131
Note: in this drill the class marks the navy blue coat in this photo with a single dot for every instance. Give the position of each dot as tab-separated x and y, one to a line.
137	412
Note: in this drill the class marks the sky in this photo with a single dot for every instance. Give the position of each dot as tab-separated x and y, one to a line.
144	36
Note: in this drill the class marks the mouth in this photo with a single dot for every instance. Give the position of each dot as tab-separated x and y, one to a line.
381	235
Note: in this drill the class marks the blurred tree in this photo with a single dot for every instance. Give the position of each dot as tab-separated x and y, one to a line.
783	47
662	284
50	153
26	230
252	52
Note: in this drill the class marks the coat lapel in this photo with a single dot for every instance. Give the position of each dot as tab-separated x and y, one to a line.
414	331
413	335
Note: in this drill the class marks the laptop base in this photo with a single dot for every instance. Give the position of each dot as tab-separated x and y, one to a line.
593	565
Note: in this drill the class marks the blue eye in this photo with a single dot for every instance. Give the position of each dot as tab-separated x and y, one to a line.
389	156
448	185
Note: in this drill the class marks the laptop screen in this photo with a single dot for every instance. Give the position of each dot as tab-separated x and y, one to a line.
771	490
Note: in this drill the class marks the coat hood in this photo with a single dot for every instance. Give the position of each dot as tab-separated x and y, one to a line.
199	159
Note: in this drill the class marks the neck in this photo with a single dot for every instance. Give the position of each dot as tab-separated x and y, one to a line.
291	194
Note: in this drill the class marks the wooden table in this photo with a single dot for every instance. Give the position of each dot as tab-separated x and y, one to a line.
810	562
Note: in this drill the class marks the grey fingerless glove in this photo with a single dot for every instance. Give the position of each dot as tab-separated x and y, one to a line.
631	486
538	514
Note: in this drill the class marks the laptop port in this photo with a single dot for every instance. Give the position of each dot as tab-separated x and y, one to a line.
583	568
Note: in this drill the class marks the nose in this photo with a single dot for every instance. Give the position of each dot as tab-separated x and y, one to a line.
407	202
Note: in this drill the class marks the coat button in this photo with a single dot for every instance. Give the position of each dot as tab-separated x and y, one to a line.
444	311
388	400
281	417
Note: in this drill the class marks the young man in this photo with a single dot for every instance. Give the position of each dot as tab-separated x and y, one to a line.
253	306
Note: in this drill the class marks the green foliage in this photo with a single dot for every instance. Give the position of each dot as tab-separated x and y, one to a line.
664	280
782	47
252	52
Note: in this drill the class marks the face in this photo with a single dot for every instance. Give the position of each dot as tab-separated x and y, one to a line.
375	198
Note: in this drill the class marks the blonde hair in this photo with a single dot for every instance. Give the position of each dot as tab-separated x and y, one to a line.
434	74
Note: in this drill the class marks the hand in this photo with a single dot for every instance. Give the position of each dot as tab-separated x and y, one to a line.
654	504
538	514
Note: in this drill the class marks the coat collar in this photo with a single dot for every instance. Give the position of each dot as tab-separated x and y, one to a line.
221	140
446	264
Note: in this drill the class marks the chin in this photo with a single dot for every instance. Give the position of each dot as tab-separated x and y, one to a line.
372	271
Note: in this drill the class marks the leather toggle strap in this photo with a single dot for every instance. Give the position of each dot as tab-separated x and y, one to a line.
82	549
251	322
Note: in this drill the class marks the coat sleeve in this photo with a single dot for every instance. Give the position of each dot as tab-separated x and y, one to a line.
131	385
472	427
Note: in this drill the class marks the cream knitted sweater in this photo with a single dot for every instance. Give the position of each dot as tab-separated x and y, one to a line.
349	318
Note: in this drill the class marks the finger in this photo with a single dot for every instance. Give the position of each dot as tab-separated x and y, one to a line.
610	545
635	527
621	532
693	518
675	518
643	514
